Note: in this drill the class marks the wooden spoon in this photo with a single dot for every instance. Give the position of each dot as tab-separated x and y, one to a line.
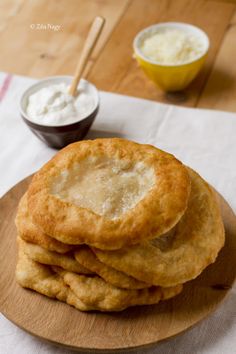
89	44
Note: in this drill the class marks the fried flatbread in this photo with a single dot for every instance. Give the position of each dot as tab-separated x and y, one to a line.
182	255
41	255
71	288
33	234
41	278
95	292
87	258
108	193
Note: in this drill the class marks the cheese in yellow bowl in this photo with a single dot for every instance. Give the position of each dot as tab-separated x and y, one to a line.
171	53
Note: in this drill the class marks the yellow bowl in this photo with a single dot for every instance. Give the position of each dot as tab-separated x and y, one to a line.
174	77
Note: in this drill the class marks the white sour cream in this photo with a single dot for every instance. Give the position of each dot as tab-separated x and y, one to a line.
172	46
53	106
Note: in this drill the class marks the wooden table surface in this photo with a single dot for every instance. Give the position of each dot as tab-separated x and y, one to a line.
44	37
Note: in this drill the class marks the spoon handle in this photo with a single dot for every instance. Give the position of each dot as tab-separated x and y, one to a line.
89	44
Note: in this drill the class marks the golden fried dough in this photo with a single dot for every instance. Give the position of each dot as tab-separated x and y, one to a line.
33	275
88	259
41	278
108	193
31	233
41	255
179	257
95	292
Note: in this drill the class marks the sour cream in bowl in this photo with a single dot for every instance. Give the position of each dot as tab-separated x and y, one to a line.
56	117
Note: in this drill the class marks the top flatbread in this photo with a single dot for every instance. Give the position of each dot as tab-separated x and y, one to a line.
182	254
29	232
108	193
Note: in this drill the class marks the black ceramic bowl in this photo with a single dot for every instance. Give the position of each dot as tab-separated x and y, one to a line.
58	136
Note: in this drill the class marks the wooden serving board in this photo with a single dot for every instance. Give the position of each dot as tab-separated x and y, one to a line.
136	327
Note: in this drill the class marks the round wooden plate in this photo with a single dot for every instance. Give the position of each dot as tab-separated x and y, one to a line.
139	326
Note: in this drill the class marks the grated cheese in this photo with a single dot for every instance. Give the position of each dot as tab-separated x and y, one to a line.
172	46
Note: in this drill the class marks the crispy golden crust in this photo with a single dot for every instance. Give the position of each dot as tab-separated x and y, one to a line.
41	278
31	233
73	289
87	258
159	210
41	255
33	275
181	256
96	293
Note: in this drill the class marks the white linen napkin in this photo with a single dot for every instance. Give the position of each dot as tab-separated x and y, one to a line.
202	139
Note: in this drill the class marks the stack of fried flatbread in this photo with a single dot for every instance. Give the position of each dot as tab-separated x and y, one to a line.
109	223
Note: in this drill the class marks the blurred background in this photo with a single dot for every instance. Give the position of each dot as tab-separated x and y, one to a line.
44	37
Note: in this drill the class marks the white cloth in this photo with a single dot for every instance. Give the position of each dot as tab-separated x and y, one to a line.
202	139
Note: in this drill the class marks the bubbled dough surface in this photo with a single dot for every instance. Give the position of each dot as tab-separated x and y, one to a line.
106	186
